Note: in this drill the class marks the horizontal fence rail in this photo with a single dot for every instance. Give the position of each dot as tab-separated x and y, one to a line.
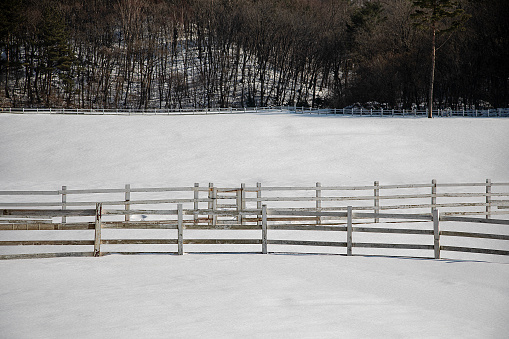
499	112
390	210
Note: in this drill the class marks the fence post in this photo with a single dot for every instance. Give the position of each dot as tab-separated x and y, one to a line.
377	201
318	202
196	202
98	225
433	195
436	233
180	227
127	199
212	204
349	229
488	198
240	202
264	229
64	203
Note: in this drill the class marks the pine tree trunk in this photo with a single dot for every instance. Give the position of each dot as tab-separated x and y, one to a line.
432	78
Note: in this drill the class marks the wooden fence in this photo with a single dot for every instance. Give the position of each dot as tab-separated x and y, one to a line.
499	112
324	210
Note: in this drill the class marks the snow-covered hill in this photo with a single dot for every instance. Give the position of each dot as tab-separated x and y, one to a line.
46	152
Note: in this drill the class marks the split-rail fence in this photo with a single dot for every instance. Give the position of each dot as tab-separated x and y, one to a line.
281	217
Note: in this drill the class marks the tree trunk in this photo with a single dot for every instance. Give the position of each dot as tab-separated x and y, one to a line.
432	78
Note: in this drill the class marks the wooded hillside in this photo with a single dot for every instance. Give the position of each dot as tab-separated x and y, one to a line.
209	53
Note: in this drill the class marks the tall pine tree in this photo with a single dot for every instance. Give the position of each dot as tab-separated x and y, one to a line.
438	16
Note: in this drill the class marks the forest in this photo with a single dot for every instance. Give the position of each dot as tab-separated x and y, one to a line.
244	53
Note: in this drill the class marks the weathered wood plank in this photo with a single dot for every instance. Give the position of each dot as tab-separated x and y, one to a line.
355	214
139	241
475	235
20	226
347	198
209	211
475	220
473	250
399	246
393	215
26	226
47	212
29	192
310	188
405	186
468	195
312	213
500	184
21	220
139	212
309	227
31	204
473	184
391	230
160	225
123	190
307	243
45	255
46	242
223	241
222	227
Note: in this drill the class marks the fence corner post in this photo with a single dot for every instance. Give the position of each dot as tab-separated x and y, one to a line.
98	226
349	229
436	233
180	227
264	229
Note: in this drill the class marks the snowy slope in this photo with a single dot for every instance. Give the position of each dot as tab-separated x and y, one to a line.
258	296
109	151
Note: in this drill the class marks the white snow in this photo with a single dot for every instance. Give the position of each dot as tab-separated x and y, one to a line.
232	296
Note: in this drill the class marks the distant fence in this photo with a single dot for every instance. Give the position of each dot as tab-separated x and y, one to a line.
269	210
500	112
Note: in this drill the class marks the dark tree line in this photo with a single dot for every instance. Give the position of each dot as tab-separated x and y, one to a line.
207	53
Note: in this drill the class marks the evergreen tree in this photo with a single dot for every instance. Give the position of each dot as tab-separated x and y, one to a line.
439	16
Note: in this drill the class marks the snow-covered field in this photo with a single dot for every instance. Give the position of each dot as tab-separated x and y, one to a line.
231	296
